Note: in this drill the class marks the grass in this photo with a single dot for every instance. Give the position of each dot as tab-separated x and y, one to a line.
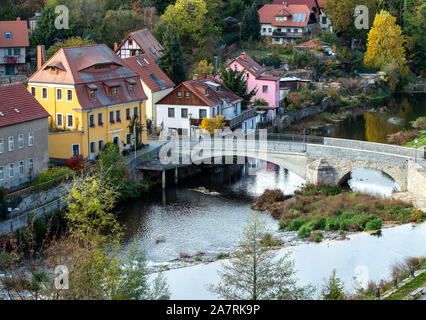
421	141
331	209
409	287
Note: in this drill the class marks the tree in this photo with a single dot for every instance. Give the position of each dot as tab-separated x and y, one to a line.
201	67
171	62
235	9
46	32
237	83
250	24
385	43
255	273
135	127
211	125
333	288
70	42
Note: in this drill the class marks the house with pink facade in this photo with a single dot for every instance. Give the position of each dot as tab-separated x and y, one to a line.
268	87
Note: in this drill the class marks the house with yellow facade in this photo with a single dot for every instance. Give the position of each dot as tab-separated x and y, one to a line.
92	97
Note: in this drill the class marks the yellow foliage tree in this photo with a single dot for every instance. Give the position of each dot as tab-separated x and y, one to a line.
202	67
385	43
211	124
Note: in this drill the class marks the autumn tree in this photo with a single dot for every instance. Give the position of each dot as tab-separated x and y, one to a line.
237	83
256	273
203	66
211	125
385	43
70	42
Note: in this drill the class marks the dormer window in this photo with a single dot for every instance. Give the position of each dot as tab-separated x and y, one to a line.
92	94
8	35
113	91
101	66
131	88
207	92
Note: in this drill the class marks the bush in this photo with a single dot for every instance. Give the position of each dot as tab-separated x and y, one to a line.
304	232
282	224
77	163
316	237
374	224
420	123
295	224
333	93
51	174
402	137
316	97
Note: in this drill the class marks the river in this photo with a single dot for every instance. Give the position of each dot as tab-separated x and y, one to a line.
182	221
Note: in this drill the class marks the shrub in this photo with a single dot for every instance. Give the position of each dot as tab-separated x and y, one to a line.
125	152
269	241
297	99
295	224
374	224
316	96
77	163
221	255
304	232
318	237
333	93
402	137
51	174
282	224
420	123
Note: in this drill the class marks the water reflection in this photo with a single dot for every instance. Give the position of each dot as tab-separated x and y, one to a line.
372	181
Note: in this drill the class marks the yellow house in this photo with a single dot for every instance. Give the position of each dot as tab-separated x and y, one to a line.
92	97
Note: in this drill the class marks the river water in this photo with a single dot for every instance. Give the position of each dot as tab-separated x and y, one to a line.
183	221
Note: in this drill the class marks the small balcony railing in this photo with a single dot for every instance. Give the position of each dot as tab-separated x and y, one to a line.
281	34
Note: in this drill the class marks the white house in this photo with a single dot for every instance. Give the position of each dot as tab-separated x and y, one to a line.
189	103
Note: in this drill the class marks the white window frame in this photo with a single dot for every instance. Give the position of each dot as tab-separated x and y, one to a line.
21	165
72	95
72	116
1	145
11	170
59	90
90	147
47	93
20	141
103	145
72	149
30	165
60	115
1	173
35	91
102	118
10	144
30	136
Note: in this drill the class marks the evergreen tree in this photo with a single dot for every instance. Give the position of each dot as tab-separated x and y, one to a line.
255	273
171	62
237	83
250	24
46	32
333	288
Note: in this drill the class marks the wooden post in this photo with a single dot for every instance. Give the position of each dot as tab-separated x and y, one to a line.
163	179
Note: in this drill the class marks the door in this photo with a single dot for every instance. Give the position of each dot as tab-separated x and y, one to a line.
10	69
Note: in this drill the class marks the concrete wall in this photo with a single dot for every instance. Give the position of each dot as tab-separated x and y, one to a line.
416	179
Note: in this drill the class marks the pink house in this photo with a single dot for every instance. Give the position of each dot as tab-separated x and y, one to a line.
268	87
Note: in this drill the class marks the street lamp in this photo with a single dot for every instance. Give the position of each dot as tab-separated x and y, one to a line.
415	154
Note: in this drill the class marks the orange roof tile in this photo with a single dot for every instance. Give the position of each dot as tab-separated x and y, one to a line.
19	34
268	13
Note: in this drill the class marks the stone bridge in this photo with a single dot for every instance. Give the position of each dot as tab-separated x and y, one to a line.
326	160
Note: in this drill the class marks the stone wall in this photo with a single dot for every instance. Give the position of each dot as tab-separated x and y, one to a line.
416	179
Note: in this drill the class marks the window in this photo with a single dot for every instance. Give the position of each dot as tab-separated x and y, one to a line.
75	149
288	30
8	52
128	139
111	117
8	35
1	174
33	91
30	165
184	113
59	118
69	95
171	112
20	141
265	89
324	20
186	94
92	121
202	113
11	144
21	168
113	91
128	114
17	52
11	173
213	112
1	146
264	29
131	88
44	93
92	147
92	94
207	92
30	139
70	120
100	145
58	94
269	29
100	119
179	94
136	112
118	116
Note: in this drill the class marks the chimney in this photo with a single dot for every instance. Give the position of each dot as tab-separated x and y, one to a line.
41	56
204	75
195	77
115	46
243	55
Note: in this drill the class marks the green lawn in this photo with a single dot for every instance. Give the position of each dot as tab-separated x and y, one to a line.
420	143
409	287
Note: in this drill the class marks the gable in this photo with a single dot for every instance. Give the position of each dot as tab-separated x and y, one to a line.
173	99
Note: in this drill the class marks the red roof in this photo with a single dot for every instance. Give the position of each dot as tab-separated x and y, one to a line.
310	43
84	67
292	12
19	34
150	73
17	105
253	67
146	41
310	3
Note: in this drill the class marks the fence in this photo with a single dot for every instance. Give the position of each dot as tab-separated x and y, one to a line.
381	289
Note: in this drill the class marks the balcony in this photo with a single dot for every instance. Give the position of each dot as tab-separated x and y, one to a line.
280	34
234	122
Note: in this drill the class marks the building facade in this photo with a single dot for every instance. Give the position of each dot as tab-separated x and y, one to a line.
184	108
92	97
267	87
139	42
156	84
13	45
24	148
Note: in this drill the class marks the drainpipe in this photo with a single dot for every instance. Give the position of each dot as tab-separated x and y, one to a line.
88	135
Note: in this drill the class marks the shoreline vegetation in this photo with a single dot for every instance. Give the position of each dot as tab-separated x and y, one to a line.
315	209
